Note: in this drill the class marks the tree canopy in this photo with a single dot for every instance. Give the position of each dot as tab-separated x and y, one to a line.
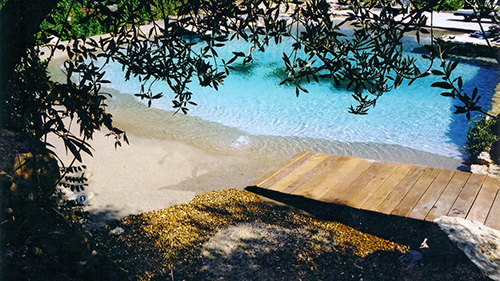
179	46
370	62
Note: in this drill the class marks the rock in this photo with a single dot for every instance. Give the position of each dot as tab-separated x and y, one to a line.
411	258
424	244
88	173
425	249
54	40
479	169
484	158
80	197
480	243
494	171
117	231
113	7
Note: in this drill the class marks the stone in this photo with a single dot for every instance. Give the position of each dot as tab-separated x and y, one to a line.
424	248
480	243
424	244
479	169
494	171
484	158
411	258
117	231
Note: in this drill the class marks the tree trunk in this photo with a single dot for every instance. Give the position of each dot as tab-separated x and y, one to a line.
19	22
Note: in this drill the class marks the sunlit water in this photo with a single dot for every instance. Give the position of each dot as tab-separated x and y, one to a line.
252	114
252	101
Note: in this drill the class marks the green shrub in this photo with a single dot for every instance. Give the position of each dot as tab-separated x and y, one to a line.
481	136
84	20
447	5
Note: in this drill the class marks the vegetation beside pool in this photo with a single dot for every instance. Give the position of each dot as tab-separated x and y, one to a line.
481	136
84	21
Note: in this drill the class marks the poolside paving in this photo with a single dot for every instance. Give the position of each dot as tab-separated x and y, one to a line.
449	21
391	188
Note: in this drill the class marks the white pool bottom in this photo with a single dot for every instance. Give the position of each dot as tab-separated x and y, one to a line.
252	101
215	138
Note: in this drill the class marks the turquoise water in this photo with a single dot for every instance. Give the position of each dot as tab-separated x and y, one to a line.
252	101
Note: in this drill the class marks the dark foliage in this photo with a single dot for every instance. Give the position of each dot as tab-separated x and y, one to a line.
182	49
370	62
42	238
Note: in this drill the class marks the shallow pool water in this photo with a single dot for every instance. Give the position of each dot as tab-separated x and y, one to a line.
252	101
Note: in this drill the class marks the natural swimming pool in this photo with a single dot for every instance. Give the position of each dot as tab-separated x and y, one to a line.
252	101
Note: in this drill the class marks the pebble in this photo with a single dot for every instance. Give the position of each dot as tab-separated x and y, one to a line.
180	231
117	231
411	258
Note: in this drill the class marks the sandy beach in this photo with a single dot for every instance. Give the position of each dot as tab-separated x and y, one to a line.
151	174
165	163
172	158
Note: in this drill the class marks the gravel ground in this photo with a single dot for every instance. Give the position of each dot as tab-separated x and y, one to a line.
235	235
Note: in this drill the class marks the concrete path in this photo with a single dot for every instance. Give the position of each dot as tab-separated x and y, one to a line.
451	22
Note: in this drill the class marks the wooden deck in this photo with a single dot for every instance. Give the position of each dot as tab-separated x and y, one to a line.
405	190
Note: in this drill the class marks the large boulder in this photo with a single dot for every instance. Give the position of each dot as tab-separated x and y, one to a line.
479	169
484	158
480	243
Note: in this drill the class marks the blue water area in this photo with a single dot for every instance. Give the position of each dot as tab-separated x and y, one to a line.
252	101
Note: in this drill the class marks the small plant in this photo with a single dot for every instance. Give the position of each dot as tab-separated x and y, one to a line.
69	198
74	178
481	136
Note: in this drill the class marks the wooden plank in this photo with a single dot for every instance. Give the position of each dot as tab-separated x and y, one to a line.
449	195
320	183
364	194
360	182
274	176
305	171
484	201
411	198
343	182
335	177
387	187
398	193
467	196
493	219
432	194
